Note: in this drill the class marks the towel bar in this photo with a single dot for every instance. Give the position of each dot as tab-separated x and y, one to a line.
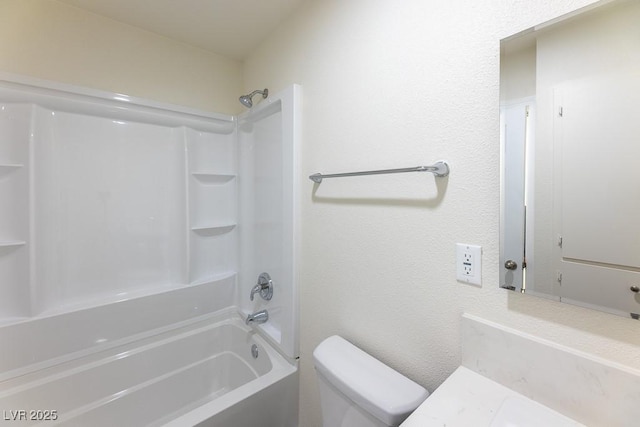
439	169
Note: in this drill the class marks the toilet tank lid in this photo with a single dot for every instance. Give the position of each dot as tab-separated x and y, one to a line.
369	383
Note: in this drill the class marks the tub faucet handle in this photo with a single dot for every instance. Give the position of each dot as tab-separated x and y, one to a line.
258	317
264	287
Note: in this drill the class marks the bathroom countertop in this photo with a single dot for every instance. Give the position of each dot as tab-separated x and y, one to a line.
467	399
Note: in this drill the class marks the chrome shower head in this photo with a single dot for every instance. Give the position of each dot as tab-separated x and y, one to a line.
248	102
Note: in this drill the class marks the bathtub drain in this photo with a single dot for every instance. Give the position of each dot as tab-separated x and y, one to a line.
254	351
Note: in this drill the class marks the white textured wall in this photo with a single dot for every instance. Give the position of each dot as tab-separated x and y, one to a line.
58	42
395	84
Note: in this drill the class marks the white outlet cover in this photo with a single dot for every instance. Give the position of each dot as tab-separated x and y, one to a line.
469	263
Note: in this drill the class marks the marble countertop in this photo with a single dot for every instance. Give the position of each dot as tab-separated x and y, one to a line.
468	399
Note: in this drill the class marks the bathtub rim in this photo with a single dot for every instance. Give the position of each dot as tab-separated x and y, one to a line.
280	369
190	312
57	366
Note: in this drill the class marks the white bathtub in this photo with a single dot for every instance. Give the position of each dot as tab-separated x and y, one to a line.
202	374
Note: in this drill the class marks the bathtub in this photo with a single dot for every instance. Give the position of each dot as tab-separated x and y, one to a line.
212	371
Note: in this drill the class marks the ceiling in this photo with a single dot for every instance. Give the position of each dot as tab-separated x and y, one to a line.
232	28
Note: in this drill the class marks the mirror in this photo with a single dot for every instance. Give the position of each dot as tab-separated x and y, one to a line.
570	159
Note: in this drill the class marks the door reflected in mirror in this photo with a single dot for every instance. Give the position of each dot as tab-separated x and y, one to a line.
570	164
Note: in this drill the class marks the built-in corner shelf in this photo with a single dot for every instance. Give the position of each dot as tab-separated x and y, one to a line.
213	278
11	243
212	178
7	168
213	229
212	212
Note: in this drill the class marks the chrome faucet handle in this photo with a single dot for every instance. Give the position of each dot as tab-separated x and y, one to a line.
264	287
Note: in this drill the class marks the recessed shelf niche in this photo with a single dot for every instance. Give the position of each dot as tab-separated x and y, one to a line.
15	137
212	178
213	202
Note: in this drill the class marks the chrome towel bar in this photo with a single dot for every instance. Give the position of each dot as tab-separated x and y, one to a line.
439	169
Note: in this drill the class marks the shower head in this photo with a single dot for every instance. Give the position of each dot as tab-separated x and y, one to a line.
246	99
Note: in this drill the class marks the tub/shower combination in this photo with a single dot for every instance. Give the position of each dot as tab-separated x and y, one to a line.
127	257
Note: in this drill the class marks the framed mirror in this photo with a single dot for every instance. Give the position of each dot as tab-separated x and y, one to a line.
570	159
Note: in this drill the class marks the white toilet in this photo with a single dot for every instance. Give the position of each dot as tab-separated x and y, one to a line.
357	390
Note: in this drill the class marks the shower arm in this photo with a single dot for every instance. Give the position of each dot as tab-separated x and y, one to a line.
258	91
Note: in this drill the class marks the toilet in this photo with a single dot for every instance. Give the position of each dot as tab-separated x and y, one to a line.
357	390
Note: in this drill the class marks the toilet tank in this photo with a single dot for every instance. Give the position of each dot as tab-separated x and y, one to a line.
353	381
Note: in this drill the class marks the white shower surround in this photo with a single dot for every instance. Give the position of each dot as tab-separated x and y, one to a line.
122	223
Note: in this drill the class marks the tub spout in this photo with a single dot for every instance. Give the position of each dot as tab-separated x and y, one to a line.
258	317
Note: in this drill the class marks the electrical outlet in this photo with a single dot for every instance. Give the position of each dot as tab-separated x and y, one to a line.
469	263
